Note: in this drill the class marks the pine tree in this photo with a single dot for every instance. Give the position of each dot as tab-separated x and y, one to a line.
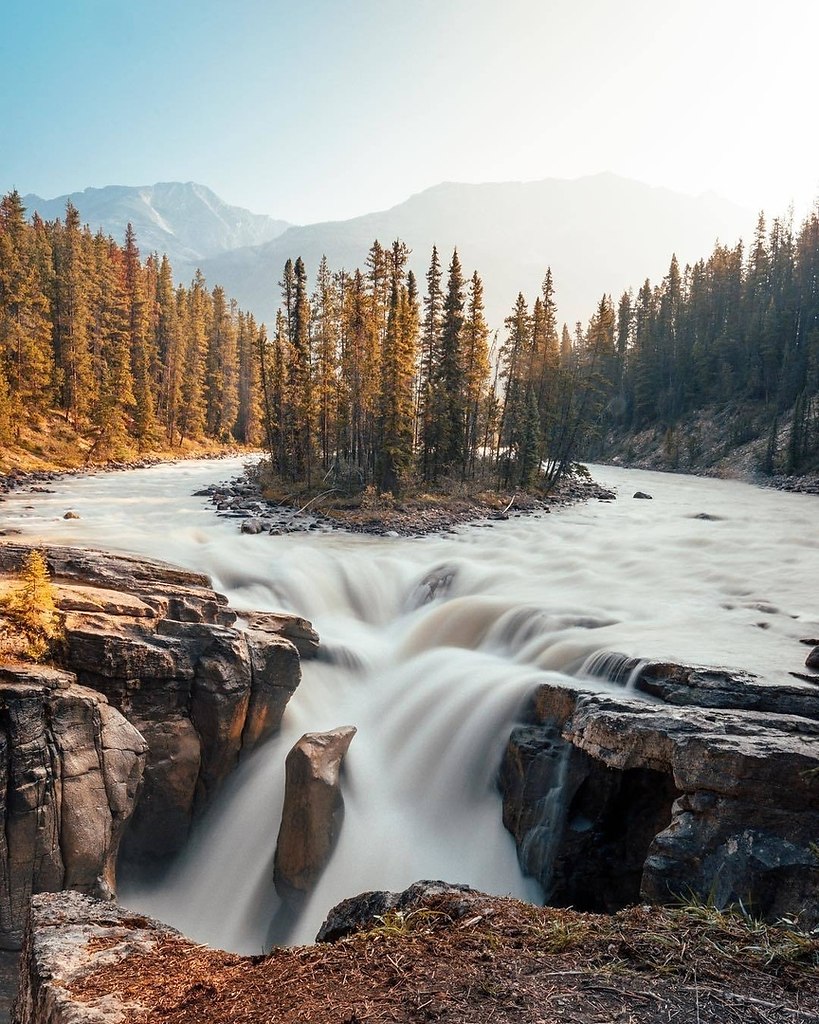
32	610
325	336
194	312
25	327
169	349
73	371
430	354
476	371
449	400
139	325
397	370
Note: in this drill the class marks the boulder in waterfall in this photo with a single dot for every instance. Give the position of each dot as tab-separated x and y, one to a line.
71	515
812	660
313	810
642	494
294	628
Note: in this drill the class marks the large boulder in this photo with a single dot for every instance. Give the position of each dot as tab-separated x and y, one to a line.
313	810
70	771
612	799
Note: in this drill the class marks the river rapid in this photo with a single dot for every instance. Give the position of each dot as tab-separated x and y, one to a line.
430	647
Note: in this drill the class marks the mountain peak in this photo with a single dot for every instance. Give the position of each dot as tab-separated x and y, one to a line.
186	220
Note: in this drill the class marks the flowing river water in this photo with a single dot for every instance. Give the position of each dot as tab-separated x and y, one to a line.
430	647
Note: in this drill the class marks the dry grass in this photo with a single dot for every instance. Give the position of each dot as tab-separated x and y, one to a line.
478	958
54	444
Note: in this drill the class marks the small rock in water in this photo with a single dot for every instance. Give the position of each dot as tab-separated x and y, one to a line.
642	494
253	526
812	660
71	515
706	516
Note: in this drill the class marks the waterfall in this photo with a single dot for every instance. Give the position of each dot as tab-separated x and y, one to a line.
431	647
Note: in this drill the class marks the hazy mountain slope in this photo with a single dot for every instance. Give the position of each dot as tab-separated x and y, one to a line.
600	233
185	220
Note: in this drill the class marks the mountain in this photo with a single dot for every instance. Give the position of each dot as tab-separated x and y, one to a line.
599	234
187	221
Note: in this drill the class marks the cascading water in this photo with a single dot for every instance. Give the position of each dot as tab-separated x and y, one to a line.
430	647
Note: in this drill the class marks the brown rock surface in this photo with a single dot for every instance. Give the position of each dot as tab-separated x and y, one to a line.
70	769
313	810
292	627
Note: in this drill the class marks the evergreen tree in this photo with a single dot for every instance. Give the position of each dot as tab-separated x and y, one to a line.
429	355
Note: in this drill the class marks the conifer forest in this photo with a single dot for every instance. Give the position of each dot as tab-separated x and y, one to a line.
369	377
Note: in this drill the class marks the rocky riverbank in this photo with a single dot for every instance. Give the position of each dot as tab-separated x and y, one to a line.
243	499
432	953
41	480
713	442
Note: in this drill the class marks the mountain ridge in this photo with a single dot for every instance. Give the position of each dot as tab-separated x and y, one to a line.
600	233
187	220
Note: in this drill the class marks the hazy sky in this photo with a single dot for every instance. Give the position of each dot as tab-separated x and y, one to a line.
323	109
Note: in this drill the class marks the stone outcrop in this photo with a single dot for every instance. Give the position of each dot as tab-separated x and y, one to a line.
292	627
68	936
200	685
70	771
313	810
710	790
368	909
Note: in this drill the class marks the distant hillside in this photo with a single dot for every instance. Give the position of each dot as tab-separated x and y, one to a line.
185	220
599	233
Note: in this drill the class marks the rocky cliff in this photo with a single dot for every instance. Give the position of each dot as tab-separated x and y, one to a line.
70	769
163	689
710	790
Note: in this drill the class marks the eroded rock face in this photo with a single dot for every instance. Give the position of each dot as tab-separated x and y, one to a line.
70	771
313	810
168	653
611	799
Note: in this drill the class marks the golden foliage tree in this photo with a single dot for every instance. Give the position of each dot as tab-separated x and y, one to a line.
31	610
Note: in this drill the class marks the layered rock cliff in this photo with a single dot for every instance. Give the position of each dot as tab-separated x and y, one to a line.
163	689
708	790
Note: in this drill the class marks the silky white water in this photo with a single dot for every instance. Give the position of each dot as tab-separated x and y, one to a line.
434	688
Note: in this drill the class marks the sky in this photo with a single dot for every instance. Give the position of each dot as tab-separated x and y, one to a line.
317	110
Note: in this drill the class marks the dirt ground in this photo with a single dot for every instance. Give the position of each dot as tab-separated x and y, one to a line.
474	958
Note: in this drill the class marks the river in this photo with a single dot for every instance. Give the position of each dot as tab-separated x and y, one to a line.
707	572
